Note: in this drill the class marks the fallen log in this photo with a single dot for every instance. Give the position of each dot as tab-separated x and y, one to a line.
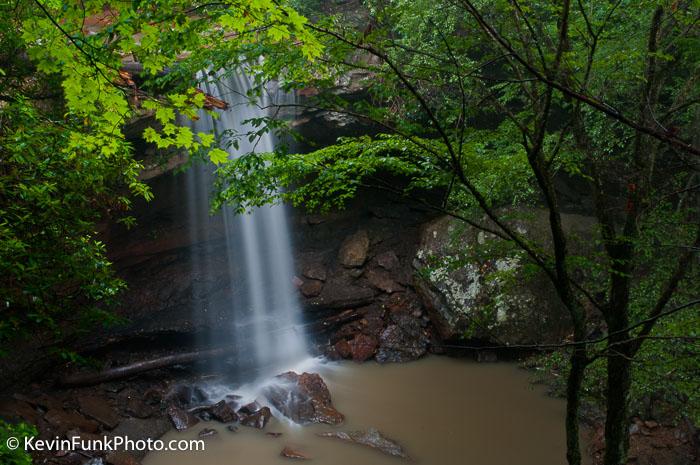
110	374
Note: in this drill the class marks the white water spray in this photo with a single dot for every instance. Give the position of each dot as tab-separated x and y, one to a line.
265	312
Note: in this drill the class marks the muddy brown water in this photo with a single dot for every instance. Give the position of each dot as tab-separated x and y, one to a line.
442	411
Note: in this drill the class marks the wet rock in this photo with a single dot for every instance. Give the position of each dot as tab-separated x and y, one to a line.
388	260
402	341
303	398
290	453
63	421
363	347
370	438
382	280
353	251
232	428
315	271
181	419
186	396
98	408
343	348
258	419
207	433
249	409
121	458
311	288
406	302
222	412
131	402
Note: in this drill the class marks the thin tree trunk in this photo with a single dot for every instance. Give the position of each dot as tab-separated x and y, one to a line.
617	418
573	403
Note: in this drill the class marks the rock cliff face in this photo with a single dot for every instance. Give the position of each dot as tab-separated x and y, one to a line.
353	275
378	280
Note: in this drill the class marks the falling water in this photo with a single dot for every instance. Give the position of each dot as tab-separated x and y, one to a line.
262	309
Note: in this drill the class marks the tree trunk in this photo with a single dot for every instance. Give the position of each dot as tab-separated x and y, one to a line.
619	374
573	402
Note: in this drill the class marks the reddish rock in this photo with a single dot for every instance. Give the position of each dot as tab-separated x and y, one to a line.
98	408
304	399
348	331
311	288
249	409
258	419
343	348
290	453
353	251
363	347
406	302
382	280
181	419
222	412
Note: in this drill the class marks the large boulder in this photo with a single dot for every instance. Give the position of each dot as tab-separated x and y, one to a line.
473	285
303	398
353	251
403	340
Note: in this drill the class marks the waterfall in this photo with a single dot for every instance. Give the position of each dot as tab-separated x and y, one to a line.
259	312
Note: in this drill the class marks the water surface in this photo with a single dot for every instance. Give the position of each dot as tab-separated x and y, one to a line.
442	411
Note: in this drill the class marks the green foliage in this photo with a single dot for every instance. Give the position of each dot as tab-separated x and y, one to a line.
329	177
18	431
65	163
473	124
54	191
